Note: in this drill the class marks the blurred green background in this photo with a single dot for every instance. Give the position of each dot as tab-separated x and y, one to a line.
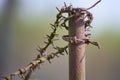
24	23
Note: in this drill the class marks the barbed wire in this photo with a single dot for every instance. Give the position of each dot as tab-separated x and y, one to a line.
61	22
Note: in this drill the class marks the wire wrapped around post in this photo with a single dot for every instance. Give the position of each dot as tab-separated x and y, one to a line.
79	20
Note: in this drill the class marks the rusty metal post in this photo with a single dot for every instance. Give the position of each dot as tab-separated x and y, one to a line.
77	51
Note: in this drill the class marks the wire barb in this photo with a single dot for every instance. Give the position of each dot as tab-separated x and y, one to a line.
94	4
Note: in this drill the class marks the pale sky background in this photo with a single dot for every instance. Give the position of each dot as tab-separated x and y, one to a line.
105	13
107	10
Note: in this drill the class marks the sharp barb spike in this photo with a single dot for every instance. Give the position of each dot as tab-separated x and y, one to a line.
94	4
66	51
57	9
65	4
52	25
45	42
